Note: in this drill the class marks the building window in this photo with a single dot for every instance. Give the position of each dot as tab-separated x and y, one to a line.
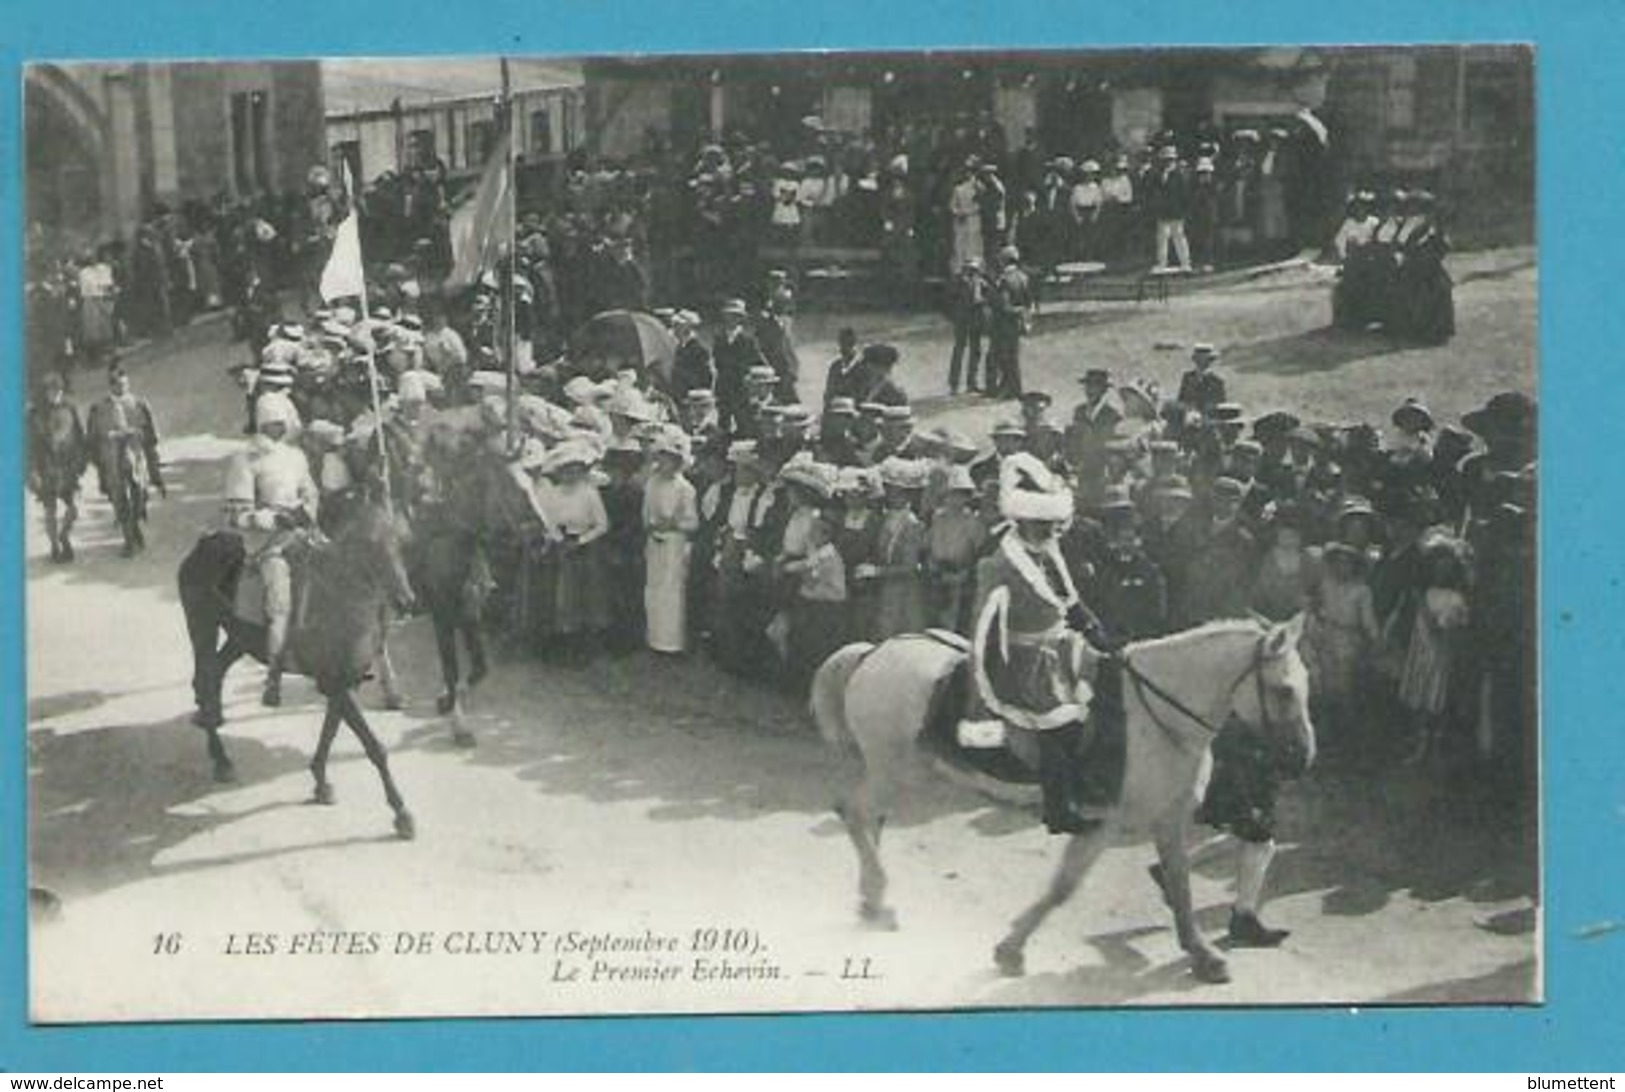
481	135
541	132
1490	97
420	145
251	140
242	144
259	104
1402	93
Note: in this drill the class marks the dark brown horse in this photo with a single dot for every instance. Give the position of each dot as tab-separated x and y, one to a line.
336	637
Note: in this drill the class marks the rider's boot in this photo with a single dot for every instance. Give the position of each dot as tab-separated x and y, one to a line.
1247	929
276	637
1057	778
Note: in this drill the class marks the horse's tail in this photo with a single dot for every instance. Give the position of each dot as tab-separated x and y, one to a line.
828	700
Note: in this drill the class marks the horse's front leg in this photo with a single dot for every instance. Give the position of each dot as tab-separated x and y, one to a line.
210	714
1174	877
405	826
1082	850
323	793
387	679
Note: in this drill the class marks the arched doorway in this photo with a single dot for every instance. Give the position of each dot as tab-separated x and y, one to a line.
66	179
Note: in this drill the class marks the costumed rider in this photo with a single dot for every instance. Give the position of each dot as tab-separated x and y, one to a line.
1039	656
271	500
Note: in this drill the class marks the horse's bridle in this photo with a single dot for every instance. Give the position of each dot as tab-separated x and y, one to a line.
1255	670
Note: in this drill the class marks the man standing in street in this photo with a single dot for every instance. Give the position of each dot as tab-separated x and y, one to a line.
1167	198
1013	308
734	353
970	305
124	444
778	346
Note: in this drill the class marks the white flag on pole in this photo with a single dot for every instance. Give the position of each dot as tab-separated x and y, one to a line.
344	275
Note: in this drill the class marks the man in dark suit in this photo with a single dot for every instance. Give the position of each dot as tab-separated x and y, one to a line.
1201	388
971	310
779	347
847	376
734	353
691	369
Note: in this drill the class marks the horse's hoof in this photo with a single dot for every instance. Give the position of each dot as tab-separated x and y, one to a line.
462	737
882	918
405	827
323	794
207	719
271	697
225	773
1009	960
444	704
1211	969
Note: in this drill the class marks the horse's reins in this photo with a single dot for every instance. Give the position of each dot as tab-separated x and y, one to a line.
1142	684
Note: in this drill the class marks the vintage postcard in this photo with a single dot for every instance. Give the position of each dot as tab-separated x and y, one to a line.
762	533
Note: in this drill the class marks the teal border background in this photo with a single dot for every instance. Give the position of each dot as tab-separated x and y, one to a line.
1582	193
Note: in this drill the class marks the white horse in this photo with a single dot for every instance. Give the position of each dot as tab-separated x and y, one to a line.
1178	692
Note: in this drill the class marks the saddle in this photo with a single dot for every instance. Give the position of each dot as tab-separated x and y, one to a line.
242	587
1098	747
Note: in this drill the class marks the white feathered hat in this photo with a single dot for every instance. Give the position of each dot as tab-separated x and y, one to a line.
1029	490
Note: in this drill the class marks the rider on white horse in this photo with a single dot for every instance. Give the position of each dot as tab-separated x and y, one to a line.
271	499
1040	679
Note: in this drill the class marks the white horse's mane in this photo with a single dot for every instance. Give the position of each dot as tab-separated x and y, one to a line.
1224	627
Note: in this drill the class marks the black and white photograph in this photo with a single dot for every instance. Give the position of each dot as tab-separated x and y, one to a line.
781	532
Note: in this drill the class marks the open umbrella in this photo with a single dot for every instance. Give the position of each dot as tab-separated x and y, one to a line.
619	339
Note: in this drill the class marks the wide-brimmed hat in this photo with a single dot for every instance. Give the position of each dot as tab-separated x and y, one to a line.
1174	485
1275	425
958	480
1413	416
900	473
898	412
1228	489
1029	490
1355	505
841	406
1510	413
1014	429
672	441
567	454
733	308
820	478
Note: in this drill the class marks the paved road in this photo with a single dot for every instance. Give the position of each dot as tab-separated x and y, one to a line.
654	801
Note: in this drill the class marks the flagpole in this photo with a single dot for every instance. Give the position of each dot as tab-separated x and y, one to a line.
372	362
509	340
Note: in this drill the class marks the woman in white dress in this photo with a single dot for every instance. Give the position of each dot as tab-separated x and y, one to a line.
965	210
670	518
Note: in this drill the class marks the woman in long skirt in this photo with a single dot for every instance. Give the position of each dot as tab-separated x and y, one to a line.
1427	679
670	519
573	511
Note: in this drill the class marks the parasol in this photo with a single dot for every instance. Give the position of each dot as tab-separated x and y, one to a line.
621	339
